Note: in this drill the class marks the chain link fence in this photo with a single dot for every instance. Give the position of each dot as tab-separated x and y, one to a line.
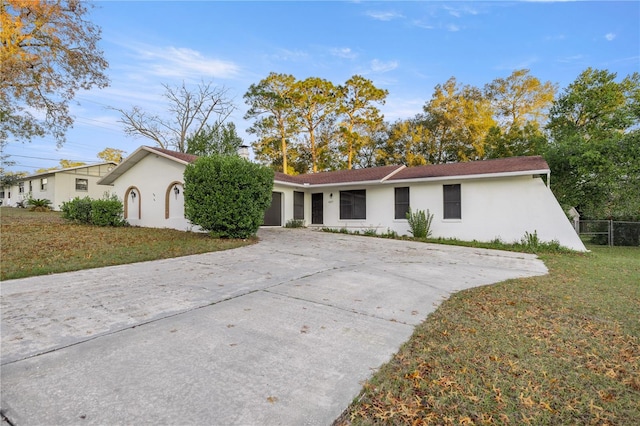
610	232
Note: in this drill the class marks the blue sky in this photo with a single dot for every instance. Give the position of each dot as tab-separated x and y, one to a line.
405	47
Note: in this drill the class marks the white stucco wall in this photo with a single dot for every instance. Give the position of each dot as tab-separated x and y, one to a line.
153	179
504	208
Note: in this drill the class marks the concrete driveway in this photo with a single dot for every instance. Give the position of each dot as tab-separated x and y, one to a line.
281	332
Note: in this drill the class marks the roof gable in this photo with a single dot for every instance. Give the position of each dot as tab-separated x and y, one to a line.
141	153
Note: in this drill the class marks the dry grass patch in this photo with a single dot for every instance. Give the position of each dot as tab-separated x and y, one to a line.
558	349
39	243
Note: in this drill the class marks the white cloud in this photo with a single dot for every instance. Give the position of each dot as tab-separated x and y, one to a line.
459	10
290	55
384	16
379	66
518	64
343	52
181	63
184	63
453	28
571	59
610	36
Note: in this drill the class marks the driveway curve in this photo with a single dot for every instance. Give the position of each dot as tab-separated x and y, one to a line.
280	332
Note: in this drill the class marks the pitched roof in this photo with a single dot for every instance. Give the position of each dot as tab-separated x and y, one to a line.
138	155
189	158
372	174
511	165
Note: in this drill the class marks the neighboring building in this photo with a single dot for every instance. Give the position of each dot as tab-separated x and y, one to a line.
58	186
481	200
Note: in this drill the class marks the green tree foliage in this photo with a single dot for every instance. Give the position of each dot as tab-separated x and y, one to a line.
409	142
316	103
595	106
360	116
215	140
311	125
594	152
271	105
458	118
452	128
227	196
520	103
49	52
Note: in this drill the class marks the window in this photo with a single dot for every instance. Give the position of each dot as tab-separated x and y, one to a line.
452	201
82	184
30	186
2	193
21	187
402	202
353	204
43	184
298	205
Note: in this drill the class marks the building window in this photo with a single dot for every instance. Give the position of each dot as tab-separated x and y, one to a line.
43	184
82	184
298	205
21	187
2	193
452	201
402	202
30	186
353	204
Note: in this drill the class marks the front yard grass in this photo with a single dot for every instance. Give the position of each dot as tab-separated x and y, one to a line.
558	349
39	243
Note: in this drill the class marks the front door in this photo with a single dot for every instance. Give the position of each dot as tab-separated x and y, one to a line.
317	209
273	215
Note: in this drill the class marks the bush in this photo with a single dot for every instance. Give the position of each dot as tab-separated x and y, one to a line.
294	223
39	204
105	212
77	210
227	195
420	223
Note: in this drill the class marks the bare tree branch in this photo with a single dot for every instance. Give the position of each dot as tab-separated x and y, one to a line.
189	112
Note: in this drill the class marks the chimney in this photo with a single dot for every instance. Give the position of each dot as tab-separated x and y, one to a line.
243	152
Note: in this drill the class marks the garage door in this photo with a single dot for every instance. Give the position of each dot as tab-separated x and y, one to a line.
273	215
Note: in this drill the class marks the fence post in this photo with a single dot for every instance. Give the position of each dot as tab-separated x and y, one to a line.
610	233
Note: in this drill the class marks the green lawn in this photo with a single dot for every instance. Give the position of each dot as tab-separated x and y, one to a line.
559	349
39	243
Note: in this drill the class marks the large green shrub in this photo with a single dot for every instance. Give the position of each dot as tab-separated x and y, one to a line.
227	195
77	210
105	212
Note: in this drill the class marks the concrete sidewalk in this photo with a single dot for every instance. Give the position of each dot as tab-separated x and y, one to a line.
281	332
